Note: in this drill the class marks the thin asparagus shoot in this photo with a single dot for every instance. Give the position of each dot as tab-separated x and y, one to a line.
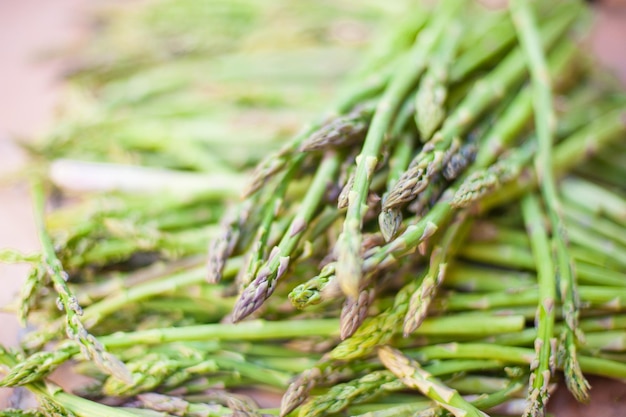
545	124
545	344
90	346
414	376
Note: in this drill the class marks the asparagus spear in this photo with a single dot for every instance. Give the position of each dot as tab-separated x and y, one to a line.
414	376
545	343
432	91
421	299
491	88
348	244
545	123
512	355
180	407
58	401
312	292
75	329
265	281
374	384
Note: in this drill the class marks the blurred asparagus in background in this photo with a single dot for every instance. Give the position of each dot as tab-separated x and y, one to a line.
393	243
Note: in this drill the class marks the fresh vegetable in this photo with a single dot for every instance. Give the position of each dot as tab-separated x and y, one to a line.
436	243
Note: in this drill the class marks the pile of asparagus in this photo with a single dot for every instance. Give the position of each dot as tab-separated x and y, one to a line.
448	236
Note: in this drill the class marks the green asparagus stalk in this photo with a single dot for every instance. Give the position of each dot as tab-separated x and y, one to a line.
471	278
494	41
66	403
573	150
379	330
492	88
545	124
442	211
593	198
374	384
414	376
266	279
75	329
421	299
545	344
348	245
486	401
511	355
15	412
601	226
259	247
603	298
513	256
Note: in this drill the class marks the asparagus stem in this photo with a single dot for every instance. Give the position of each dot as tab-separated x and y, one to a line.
259	248
585	193
514	256
372	385
472	278
266	279
495	39
511	355
432	91
565	154
545	124
483	178
348	244
604	298
379	330
545	344
421	299
489	90
601	226
62	400
75	329
250	330
414	376
573	150
100	310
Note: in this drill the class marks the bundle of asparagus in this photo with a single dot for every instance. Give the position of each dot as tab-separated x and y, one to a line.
453	226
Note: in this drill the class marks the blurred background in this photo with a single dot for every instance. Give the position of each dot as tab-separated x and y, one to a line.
34	32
